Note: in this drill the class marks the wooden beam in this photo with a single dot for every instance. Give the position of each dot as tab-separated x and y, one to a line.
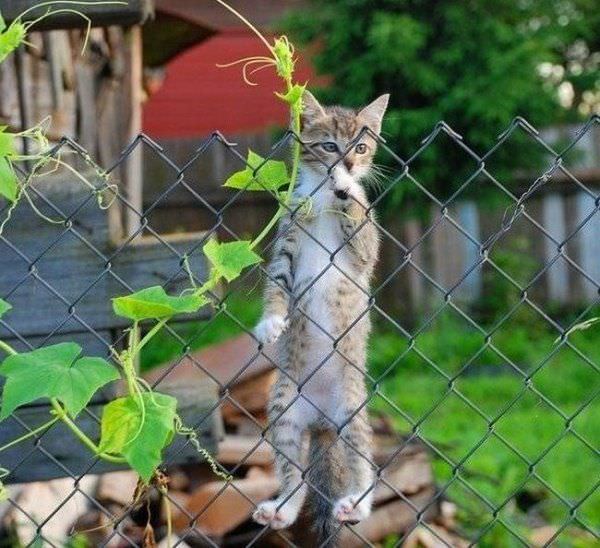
132	12
75	272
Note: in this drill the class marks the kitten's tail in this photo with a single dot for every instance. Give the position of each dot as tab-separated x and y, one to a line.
323	478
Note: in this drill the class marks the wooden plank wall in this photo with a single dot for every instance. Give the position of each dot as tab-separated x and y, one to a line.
128	13
92	96
60	279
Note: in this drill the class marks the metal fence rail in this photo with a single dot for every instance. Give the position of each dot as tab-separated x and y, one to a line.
67	306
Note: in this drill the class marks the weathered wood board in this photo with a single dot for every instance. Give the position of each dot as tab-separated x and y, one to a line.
60	278
130	13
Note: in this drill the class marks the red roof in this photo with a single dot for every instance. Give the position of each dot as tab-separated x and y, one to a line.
197	97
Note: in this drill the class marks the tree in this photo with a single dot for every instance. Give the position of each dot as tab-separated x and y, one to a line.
473	63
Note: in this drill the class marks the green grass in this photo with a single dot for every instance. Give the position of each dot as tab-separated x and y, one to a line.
455	417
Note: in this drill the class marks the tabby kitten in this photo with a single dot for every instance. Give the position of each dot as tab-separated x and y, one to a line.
316	303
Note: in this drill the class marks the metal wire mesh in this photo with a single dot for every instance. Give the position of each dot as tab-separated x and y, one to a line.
401	174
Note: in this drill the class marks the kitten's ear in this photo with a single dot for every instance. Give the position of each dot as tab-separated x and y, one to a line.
373	112
311	108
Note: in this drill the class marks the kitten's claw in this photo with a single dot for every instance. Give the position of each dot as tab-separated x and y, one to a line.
346	509
267	514
270	328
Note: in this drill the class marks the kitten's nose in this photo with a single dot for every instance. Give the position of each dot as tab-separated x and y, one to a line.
348	163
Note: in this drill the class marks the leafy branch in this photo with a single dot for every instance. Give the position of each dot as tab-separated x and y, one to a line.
137	427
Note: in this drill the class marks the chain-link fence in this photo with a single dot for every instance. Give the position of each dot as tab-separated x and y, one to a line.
40	261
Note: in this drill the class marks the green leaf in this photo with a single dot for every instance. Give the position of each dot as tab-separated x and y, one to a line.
53	372
4	307
154	303
9	186
270	174
7	142
293	95
229	259
141	443
2	23
11	39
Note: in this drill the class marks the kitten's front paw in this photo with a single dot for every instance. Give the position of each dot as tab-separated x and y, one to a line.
347	510
267	514
270	328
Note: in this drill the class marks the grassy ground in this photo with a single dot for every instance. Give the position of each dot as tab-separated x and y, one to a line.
504	429
522	439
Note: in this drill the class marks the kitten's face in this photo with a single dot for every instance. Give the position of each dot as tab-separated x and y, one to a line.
335	132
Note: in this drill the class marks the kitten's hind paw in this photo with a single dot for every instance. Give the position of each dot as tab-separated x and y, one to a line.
267	514
270	328
347	509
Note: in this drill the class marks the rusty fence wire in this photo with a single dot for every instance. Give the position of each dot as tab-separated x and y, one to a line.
71	224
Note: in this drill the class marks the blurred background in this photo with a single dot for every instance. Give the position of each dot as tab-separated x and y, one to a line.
488	101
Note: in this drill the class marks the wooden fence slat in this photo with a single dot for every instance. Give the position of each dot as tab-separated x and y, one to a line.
553	208
56	257
131	13
588	240
468	218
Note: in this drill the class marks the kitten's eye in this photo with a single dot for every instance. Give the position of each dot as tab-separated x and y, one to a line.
329	146
361	148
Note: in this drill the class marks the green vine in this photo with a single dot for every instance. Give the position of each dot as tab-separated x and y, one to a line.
137	427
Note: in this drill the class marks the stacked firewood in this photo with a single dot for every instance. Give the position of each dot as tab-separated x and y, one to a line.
223	511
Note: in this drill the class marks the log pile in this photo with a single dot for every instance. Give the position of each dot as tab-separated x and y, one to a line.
207	509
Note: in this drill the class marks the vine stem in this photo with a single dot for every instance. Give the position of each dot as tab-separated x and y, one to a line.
29	434
159	325
295	168
167	503
7	348
81	436
246	22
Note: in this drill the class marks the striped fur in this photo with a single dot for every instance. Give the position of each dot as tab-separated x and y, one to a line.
316	305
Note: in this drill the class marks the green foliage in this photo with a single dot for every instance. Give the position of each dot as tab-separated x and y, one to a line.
7	143
284	58
139	430
10	37
154	303
294	95
53	372
475	65
260	174
4	307
8	179
135	428
230	258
